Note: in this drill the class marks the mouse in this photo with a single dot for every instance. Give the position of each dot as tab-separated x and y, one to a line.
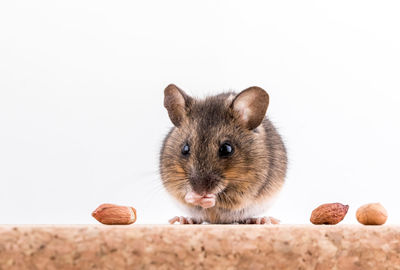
223	160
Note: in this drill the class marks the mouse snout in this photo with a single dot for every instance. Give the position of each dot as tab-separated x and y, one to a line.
204	184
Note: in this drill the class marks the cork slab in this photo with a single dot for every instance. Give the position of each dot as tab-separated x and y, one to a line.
199	247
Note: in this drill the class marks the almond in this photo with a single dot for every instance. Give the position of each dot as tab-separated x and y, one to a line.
329	213
372	214
112	214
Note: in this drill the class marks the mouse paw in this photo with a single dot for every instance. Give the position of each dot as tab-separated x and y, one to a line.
184	220
260	220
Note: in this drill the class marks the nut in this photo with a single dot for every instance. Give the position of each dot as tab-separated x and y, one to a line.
112	214
372	214
329	213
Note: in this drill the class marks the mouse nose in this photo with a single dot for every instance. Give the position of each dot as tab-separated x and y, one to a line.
203	184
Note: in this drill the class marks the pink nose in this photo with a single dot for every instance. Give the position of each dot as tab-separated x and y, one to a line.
205	201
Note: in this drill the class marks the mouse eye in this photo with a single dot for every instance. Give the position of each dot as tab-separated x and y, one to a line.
185	149
226	150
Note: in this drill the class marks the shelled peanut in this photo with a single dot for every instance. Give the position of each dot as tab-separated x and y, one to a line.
111	214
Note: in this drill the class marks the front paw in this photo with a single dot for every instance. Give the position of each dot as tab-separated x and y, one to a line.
205	200
260	220
184	220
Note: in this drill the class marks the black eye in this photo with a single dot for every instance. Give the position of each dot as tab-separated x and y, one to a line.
185	149
226	149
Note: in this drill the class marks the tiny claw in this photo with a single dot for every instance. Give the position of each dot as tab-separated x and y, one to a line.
183	220
173	220
274	220
261	221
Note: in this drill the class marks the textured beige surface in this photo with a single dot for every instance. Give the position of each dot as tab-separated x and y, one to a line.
199	247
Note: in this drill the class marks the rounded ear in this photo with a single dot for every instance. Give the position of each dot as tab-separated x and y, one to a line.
176	102
250	106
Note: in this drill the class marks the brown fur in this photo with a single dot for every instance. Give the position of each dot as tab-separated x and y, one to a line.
251	176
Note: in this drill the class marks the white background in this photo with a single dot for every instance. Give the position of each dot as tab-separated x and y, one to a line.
81	99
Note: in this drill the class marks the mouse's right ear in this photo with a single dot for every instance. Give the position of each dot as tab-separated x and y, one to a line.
177	102
250	106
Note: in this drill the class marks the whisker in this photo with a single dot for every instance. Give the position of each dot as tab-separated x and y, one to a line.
224	197
237	180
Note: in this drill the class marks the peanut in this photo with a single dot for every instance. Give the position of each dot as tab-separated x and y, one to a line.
111	214
372	214
330	213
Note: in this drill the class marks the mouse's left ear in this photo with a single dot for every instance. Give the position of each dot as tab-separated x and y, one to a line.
250	106
177	103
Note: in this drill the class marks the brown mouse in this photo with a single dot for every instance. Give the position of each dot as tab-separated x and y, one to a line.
223	160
